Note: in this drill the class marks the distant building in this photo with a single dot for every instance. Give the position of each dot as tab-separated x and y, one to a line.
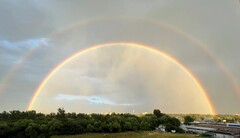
208	120
237	114
144	113
218	130
233	125
196	129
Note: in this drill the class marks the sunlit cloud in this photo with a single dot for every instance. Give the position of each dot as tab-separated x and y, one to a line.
25	44
67	97
98	100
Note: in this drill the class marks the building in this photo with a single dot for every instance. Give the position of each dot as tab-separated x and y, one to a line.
217	130
196	129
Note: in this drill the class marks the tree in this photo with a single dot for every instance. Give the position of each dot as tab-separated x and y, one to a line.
165	119
31	124
116	126
157	112
230	119
31	130
127	126
174	121
217	119
55	127
169	127
145	126
5	115
61	114
20	126
4	129
90	128
44	130
134	123
188	119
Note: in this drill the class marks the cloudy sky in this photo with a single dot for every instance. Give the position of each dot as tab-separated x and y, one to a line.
202	35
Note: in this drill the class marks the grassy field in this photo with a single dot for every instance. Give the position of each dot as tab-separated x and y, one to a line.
129	135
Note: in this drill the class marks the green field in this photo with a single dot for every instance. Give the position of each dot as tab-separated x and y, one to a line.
129	135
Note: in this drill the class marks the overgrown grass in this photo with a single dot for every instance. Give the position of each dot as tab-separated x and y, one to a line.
129	135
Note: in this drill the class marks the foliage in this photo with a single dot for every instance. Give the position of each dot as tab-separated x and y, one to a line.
188	119
210	118
157	113
30	124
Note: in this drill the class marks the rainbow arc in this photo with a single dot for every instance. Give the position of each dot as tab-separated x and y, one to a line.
59	66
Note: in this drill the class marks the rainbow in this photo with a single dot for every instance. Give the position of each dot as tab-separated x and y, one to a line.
13	71
233	82
59	66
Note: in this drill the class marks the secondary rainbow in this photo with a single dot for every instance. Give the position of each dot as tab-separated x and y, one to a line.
233	82
59	66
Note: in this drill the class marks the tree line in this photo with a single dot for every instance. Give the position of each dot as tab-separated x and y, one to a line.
219	118
29	124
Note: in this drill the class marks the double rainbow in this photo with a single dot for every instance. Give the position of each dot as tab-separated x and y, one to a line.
233	82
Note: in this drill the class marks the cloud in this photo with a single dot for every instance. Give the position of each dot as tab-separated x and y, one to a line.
94	99
16	52
25	44
67	97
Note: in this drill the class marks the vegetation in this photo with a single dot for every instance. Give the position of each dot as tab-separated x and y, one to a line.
32	124
209	118
188	120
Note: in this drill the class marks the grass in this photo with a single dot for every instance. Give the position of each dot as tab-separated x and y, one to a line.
129	135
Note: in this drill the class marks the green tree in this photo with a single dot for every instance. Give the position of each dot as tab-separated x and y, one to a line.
61	114
43	129
20	126
31	124
134	123
230	119
55	127
90	128
116	127
217	119
127	126
4	129
5	116
188	119
157	112
32	130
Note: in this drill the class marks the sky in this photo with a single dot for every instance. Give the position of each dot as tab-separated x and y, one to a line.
201	35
